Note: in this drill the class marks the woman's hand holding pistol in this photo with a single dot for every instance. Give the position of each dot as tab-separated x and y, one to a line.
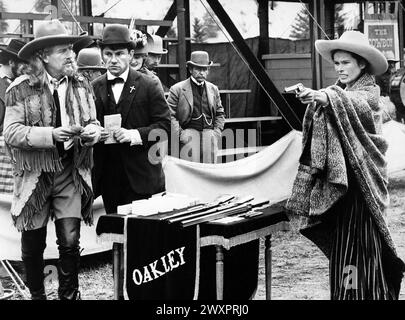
307	95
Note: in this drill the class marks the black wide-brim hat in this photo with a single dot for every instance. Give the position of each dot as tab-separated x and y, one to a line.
85	41
49	34
115	34
13	48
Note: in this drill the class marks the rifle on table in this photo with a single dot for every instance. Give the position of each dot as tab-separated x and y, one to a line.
177	214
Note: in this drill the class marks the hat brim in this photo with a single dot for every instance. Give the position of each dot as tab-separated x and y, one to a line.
11	53
200	65
83	42
100	43
164	51
48	41
91	68
377	61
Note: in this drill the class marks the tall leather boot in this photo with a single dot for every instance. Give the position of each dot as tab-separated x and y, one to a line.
33	243
68	236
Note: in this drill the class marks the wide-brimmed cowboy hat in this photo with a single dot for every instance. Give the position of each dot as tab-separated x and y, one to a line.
200	59
157	45
13	48
90	58
115	34
48	34
356	42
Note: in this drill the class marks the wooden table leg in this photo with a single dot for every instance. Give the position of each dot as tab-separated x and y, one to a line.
116	269
219	272
267	259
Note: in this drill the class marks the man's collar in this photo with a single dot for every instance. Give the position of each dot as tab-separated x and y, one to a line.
196	82
50	78
123	75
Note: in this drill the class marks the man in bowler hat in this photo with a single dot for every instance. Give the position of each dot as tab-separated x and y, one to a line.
122	170
196	110
50	126
155	53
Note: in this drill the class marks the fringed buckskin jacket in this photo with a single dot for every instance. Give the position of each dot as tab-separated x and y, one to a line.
347	132
29	121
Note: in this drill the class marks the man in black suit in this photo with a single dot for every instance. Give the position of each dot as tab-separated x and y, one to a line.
122	170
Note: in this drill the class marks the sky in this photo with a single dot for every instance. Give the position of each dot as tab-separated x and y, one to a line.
242	12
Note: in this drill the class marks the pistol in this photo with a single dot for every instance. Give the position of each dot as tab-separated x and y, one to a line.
295	88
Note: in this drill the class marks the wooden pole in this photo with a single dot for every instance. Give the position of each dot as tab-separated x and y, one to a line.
317	8
187	27
86	10
264	42
181	32
255	65
264	48
401	33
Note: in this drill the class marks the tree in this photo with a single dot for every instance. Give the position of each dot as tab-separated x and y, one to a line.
3	24
199	33
300	27
211	27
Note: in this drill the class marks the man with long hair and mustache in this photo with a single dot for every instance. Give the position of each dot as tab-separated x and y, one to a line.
50	127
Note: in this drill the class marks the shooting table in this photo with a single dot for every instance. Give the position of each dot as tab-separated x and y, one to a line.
222	236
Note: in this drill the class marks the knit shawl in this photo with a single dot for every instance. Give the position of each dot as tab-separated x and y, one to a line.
347	132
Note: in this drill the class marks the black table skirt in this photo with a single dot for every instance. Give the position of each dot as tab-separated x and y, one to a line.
240	262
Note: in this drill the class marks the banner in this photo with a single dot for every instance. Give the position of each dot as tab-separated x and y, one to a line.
161	260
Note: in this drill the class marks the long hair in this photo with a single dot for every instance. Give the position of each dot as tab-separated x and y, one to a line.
37	70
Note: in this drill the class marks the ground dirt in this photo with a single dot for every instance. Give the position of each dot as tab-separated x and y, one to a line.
299	269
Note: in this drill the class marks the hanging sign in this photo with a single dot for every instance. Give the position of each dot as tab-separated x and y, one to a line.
383	34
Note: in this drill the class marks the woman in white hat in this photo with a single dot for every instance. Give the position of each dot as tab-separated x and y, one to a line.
341	184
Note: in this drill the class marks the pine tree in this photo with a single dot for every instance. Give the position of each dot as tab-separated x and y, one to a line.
211	27
199	33
300	27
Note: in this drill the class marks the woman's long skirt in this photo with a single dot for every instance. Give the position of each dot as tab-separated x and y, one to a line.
359	265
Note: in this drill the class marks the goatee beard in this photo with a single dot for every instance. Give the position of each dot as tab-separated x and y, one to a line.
70	69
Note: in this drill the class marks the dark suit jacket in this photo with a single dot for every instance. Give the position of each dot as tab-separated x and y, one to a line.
181	105
143	108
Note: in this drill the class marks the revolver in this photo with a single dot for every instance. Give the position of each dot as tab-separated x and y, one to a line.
295	88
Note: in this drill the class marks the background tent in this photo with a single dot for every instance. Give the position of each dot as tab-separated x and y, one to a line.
268	174
10	237
394	132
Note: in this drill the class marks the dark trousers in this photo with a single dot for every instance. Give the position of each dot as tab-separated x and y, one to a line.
116	189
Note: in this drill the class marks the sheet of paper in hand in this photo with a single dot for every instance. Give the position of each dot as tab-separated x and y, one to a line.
111	123
161	260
